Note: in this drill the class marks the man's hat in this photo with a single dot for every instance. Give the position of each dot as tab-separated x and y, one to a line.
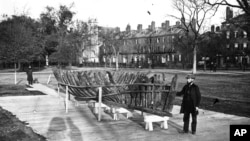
190	76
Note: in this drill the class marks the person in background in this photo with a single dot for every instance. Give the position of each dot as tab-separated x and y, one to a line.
190	103
30	75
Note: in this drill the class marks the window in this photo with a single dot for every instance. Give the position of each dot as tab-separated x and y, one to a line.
236	45
244	45
172	57
163	59
179	57
228	46
236	34
168	57
163	39
136	41
228	34
158	40
124	60
245	34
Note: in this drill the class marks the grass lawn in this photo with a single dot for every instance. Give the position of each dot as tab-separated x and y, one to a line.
17	90
11	128
232	90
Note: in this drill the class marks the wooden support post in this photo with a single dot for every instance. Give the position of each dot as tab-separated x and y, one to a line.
100	103
49	79
15	75
58	90
67	99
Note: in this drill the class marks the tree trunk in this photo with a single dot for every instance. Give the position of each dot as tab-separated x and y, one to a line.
194	59
110	60
19	66
47	60
70	64
106	59
15	81
205	65
117	61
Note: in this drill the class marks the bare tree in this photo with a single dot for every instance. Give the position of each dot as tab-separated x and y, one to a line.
241	4
112	43
193	14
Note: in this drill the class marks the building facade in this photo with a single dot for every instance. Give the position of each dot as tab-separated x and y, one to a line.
150	47
237	41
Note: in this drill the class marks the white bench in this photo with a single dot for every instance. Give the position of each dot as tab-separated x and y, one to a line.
95	106
117	110
149	119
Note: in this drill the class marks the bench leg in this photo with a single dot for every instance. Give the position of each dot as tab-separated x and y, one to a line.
150	126
164	124
126	115
115	116
146	126
96	111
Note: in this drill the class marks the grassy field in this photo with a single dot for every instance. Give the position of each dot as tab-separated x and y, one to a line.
231	88
232	91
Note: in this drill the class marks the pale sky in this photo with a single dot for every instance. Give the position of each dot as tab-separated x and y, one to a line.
110	13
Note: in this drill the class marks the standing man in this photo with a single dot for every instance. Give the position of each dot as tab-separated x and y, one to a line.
190	103
30	75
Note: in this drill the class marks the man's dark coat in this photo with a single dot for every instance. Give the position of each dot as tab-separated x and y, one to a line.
29	74
195	96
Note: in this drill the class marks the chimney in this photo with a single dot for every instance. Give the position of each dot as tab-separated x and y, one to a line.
178	23
153	25
229	13
212	28
139	27
128	28
167	24
217	29
149	27
163	25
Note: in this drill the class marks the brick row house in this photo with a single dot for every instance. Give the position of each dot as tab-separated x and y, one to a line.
151	47
237	40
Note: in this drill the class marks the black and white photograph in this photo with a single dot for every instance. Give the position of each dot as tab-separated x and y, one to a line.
124	70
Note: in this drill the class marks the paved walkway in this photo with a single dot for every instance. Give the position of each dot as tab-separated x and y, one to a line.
46	115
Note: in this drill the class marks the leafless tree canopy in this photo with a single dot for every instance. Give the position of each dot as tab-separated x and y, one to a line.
193	14
242	4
